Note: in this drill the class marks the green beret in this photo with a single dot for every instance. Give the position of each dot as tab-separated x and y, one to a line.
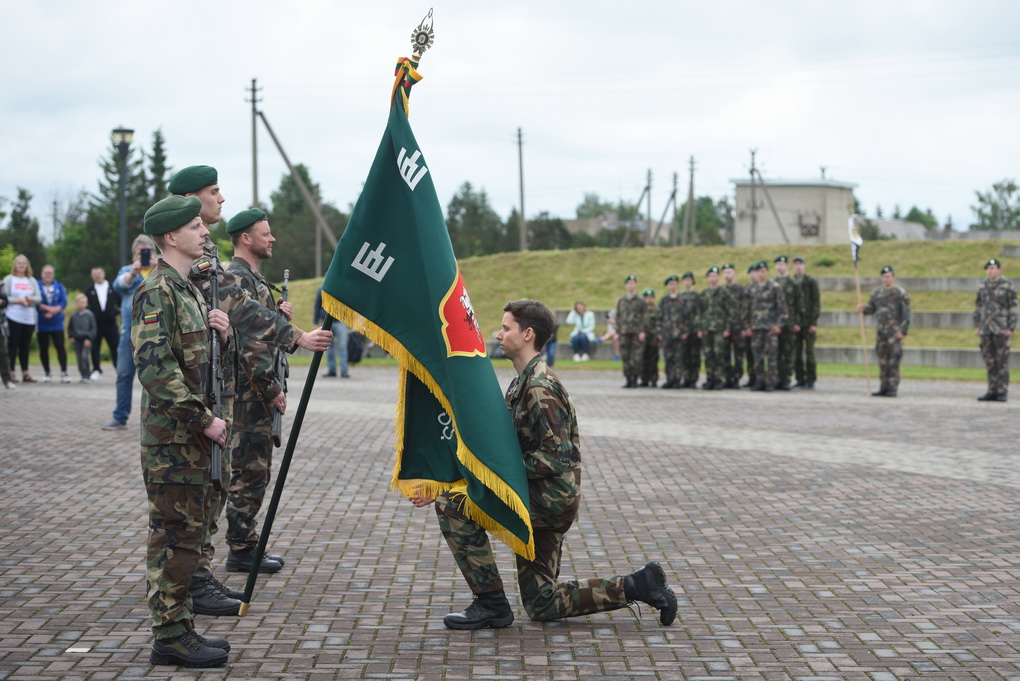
245	219
729	266
672	277
753	267
799	258
713	268
993	261
171	213
630	277
648	292
763	265
781	258
889	269
688	273
189	180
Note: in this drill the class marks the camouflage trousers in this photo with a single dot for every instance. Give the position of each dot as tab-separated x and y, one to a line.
691	358
995	350
787	338
543	597
889	350
251	458
631	352
672	349
650	361
733	356
715	355
765	348
804	365
215	502
173	550
748	342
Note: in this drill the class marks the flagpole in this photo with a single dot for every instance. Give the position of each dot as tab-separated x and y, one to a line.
864	341
281	476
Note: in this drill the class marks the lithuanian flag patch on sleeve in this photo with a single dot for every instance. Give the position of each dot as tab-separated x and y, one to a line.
204	265
150	318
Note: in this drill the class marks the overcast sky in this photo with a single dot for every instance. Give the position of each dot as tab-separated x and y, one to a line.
914	101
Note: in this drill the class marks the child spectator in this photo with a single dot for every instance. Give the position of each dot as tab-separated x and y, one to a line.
82	330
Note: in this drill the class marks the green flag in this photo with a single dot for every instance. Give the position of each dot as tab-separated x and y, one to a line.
394	277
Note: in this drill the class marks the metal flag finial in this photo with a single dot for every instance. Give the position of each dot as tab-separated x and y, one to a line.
423	36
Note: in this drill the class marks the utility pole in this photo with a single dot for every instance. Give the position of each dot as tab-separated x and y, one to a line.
689	213
648	226
674	227
522	239
254	145
754	202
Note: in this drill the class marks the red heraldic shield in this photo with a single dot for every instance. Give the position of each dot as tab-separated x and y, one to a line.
460	326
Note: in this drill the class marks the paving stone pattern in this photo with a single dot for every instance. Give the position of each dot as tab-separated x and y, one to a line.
810	536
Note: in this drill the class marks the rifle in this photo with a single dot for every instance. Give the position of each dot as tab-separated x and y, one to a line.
216	378
282	370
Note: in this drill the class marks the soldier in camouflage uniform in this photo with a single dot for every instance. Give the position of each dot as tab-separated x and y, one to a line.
891	306
769	315
251	322
736	342
650	357
546	425
995	312
788	333
259	391
171	348
691	351
804	365
717	317
671	317
630	325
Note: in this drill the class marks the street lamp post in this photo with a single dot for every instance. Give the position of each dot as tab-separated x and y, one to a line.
122	140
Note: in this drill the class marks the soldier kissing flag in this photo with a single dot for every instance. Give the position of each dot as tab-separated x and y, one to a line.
394	277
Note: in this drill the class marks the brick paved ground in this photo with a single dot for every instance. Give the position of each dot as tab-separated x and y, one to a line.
823	535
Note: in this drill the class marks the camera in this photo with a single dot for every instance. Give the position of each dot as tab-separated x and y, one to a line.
146	256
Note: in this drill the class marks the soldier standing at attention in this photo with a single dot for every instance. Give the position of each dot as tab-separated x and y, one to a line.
804	342
788	332
171	348
733	357
650	356
691	351
546	424
891	306
995	312
714	323
259	391
671	315
630	324
769	315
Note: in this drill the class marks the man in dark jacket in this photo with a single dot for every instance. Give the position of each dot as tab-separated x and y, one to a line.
104	303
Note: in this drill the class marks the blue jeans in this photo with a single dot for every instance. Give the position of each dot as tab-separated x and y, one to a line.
580	344
125	378
337	346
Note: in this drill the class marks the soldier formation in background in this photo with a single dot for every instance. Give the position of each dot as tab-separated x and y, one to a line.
891	306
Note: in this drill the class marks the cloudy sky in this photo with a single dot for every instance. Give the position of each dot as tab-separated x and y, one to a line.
915	101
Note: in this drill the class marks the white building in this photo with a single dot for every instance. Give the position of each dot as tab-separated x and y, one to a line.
808	212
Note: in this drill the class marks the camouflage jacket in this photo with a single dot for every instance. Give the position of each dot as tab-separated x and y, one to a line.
995	309
653	322
718	311
256	378
812	300
768	306
794	301
692	311
630	314
170	344
741	306
671	317
891	307
546	424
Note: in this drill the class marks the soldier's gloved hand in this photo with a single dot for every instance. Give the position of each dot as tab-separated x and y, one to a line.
218	320
316	341
280	402
286	309
216	431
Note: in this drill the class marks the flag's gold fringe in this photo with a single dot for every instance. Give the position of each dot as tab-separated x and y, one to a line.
409	362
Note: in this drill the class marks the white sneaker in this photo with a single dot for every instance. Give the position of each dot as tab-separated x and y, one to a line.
585	357
95	375
11	386
84	380
46	378
577	357
64	378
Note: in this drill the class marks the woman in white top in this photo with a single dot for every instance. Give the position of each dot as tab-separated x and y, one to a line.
23	295
583	334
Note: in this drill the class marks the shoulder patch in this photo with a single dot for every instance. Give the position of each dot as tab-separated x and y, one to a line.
150	318
204	265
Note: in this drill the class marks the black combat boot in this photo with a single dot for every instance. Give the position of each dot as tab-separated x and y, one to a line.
989	397
890	392
1000	397
240	561
648	585
489	610
207	599
225	590
758	386
881	391
187	650
783	386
